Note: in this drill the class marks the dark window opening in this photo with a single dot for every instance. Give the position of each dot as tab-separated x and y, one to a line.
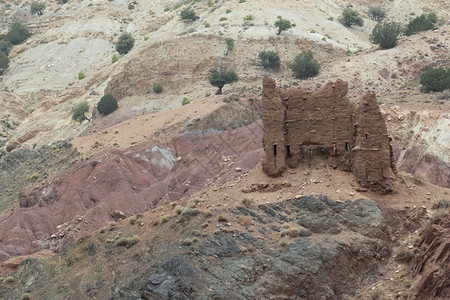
274	150
288	150
366	136
346	146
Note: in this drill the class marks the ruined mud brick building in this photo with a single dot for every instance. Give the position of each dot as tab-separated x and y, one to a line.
300	127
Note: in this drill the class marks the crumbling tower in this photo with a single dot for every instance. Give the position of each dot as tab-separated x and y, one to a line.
372	156
301	127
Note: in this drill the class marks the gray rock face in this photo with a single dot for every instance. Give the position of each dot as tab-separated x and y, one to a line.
328	249
347	243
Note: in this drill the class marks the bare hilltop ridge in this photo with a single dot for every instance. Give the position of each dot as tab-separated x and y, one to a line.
166	197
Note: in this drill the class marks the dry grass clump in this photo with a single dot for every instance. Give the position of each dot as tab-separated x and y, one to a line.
128	242
441	208
185	242
419	179
163	219
189	211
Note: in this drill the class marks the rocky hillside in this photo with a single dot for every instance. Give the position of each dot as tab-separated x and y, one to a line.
160	200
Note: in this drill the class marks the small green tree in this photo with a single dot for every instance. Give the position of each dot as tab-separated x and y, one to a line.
79	110
4	62
230	45
377	13
37	8
219	78
81	75
185	101
114	58
386	34
435	80
125	43
188	14
6	46
17	33
107	104
351	17
269	59
305	65
423	22
157	88
283	24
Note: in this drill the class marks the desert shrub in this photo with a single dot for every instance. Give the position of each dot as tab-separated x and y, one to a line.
435	80
164	219
305	65
222	218
377	13
178	210
185	242
9	279
207	213
189	211
223	19
157	88
219	78
441	204
419	179
269	59
351	17
37	8
132	220
247	202
114	58
185	101
404	256
81	75
127	242
228	11
386	34
230	44
17	33
249	18
79	110
207	25
4	62
283	24
196	233
188	14
107	104
423	22
125	43
330	19
6	46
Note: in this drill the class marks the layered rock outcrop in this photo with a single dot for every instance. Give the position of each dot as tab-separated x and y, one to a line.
300	127
432	261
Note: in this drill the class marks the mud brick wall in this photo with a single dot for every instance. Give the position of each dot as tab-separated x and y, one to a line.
272	114
372	154
300	126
